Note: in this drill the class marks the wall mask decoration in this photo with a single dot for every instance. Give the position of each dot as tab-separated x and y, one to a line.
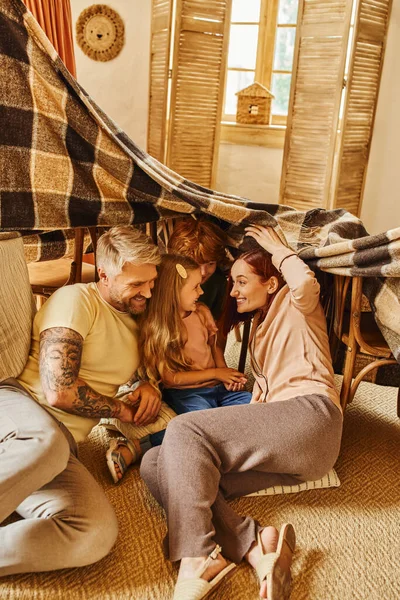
100	32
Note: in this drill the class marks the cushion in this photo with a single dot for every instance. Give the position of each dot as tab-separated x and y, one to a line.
331	479
16	306
136	432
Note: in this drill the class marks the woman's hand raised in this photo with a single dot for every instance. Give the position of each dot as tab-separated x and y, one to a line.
266	237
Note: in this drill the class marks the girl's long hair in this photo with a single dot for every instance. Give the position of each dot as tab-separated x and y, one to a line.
260	262
162	333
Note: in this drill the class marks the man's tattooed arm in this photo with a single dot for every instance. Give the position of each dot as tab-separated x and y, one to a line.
59	364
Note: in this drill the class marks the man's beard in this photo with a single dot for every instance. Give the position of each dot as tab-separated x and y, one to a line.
129	306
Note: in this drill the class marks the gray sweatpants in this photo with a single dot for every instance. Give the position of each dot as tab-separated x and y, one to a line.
210	456
67	520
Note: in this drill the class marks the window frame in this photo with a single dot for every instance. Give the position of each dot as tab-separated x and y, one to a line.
267	35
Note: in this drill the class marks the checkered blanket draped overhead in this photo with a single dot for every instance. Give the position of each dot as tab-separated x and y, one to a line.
64	164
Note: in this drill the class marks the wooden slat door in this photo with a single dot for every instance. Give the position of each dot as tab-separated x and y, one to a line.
198	77
317	82
365	70
161	21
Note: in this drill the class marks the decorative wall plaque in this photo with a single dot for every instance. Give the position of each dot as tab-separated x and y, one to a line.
100	32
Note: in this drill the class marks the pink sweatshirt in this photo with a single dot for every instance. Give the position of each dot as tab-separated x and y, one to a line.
289	350
201	335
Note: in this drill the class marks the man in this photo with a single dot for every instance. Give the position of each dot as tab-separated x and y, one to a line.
84	346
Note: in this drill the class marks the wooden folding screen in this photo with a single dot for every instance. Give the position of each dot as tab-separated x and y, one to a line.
326	153
188	43
159	70
362	93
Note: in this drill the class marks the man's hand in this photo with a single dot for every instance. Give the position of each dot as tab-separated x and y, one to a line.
148	400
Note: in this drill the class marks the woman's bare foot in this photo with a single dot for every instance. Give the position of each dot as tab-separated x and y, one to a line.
127	456
190	566
269	540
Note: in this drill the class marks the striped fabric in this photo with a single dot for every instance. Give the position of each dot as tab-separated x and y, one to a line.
331	479
137	432
64	164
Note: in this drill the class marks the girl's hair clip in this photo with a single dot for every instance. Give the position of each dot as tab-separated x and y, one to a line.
181	270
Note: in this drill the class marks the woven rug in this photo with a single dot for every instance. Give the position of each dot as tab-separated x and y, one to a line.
348	537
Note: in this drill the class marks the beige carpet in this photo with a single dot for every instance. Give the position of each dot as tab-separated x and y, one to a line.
348	537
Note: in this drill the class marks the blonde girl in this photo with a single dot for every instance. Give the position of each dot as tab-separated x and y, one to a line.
178	346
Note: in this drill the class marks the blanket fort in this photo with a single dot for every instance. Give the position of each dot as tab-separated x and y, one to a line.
64	164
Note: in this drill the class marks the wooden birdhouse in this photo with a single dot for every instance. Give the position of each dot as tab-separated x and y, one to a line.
254	105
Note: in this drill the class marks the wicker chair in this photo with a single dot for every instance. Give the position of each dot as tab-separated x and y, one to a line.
47	276
359	332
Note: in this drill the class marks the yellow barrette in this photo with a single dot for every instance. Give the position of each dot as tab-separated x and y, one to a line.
181	270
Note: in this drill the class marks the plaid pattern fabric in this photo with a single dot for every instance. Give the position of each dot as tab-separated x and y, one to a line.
64	164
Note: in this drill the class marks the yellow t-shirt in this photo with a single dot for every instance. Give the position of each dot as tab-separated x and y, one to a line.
110	350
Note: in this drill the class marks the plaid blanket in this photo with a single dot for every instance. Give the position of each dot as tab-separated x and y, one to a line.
65	164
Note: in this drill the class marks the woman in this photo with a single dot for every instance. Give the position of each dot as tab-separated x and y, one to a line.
289	433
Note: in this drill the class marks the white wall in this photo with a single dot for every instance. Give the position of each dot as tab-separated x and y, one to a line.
381	204
120	86
253	172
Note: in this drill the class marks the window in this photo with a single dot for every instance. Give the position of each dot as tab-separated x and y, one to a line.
261	48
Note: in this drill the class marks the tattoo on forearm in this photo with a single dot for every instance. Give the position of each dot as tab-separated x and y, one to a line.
60	361
89	403
60	357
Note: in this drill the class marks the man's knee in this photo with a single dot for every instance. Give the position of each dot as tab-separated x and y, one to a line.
95	541
104	536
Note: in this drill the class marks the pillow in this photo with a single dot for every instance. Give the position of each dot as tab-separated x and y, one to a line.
331	479
136	432
16	306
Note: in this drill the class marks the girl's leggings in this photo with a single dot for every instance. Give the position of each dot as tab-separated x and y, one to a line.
183	401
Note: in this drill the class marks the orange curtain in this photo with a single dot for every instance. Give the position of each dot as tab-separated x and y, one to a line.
54	17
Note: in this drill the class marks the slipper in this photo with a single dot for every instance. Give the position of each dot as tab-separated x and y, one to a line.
270	568
197	588
114	456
